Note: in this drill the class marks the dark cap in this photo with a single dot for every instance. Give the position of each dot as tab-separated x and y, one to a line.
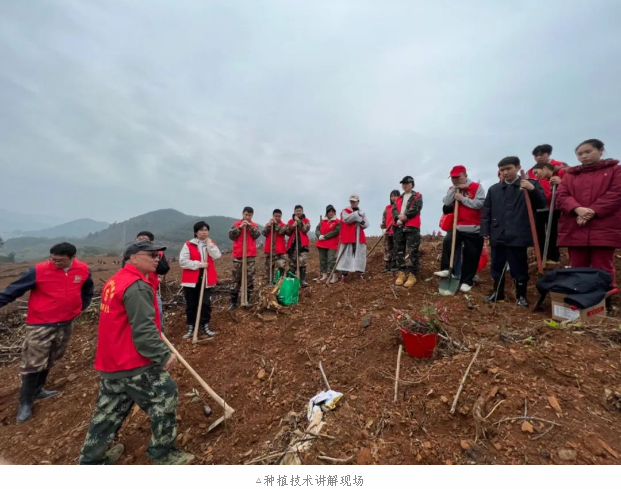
134	248
330	208
407	179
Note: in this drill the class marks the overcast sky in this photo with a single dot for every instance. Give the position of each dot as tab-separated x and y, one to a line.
110	109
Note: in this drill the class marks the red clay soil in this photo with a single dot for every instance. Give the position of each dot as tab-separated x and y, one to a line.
267	369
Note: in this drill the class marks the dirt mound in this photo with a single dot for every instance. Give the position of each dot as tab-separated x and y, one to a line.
534	394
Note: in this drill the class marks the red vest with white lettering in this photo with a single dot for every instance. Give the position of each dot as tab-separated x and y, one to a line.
57	296
279	241
415	221
348	231
327	227
189	276
389	221
304	241
251	243
466	216
115	347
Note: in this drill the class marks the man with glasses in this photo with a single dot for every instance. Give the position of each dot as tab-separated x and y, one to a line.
60	289
133	363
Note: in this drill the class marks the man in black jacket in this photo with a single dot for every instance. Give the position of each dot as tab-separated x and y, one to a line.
505	221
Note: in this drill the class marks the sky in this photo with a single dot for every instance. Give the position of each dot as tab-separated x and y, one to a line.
111	109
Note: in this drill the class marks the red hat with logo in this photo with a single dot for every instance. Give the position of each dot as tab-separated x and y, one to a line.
458	170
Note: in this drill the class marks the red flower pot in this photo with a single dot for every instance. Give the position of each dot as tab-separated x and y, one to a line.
419	345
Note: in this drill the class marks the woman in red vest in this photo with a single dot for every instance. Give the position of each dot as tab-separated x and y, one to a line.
277	256
327	233
406	214
197	257
589	198
298	227
388	231
236	235
353	248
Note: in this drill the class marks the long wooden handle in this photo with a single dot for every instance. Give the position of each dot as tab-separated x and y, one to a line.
533	227
228	409
546	245
454	234
200	306
375	246
272	254
297	251
244	284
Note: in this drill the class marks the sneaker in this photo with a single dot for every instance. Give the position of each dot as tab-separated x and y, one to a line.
207	331
114	454
175	457
465	288
442	273
189	332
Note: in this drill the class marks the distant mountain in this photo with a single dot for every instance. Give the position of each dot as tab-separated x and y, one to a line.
80	228
14	224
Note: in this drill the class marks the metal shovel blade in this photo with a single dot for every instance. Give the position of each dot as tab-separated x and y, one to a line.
449	285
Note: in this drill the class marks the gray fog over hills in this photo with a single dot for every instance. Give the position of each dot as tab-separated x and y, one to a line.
80	228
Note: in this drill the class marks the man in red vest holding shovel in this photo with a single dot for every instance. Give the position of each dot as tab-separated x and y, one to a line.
133	362
297	249
275	252
236	235
60	289
471	197
327	233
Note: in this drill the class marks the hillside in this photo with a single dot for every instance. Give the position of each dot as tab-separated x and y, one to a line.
80	228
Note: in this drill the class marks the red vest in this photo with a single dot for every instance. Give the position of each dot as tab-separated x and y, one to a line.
57	296
279	241
251	243
304	241
415	221
348	231
466	215
115	347
189	276
327	227
389	220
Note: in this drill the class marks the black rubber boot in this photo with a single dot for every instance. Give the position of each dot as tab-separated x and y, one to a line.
498	294
303	282
520	293
27	396
387	268
233	302
249	296
42	393
189	332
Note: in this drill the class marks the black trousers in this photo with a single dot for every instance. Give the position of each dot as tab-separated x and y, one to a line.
192	296
472	247
515	256
541	222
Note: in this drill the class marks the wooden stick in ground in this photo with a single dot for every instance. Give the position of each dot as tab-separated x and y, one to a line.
228	410
375	246
463	380
244	284
272	254
397	374
297	251
202	285
323	374
533	227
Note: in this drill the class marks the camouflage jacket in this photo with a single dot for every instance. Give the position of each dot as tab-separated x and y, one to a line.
236	231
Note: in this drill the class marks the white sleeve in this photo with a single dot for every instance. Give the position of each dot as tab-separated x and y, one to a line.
350	218
365	225
213	250
184	259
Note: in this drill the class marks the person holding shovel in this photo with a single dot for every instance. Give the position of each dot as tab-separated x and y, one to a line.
388	230
197	258
352	255
549	177
506	223
60	289
406	214
298	249
471	197
589	198
275	249
133	362
236	234
327	233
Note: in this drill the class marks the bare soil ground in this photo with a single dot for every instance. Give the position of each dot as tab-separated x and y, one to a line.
266	368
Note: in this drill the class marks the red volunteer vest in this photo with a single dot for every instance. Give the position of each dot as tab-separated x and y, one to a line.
115	347
348	231
191	276
251	243
389	220
415	221
327	227
466	215
57	296
304	241
279	241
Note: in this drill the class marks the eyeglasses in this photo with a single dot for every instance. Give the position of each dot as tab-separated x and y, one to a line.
152	254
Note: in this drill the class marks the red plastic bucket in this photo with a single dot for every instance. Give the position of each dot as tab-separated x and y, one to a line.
419	345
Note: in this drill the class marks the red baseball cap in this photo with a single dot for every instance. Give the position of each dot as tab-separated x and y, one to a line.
458	170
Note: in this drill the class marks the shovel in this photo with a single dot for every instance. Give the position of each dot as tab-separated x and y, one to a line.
450	284
549	228
272	255
533	227
200	306
244	284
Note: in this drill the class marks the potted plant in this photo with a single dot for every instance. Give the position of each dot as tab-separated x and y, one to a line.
420	333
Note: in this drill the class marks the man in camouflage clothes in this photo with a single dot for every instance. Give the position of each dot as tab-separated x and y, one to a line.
133	362
298	249
279	250
236	235
406	213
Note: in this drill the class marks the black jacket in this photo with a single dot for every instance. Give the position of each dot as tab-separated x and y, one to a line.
584	287
505	218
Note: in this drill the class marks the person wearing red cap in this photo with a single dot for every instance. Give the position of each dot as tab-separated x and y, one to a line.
406	214
471	197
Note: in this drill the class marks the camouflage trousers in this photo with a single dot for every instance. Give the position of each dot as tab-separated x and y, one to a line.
410	240
293	259
389	249
43	346
154	391
280	263
327	260
237	274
